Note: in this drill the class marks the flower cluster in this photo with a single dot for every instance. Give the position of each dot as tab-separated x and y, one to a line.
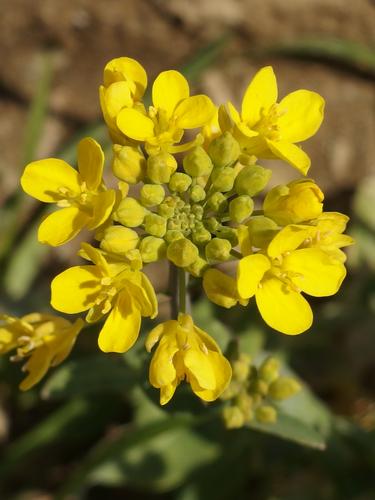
189	188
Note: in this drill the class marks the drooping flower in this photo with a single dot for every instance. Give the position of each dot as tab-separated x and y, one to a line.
173	111
187	352
268	129
82	196
106	287
277	278
44	340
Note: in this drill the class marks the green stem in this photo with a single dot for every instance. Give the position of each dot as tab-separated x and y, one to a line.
182	290
236	254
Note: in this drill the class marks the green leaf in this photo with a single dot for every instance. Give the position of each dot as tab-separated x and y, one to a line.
292	429
90	375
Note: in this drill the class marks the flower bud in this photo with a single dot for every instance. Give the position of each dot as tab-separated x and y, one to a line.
160	167
201	236
179	182
223	179
217	202
261	230
128	164
172	235
155	225
135	259
245	403
152	249
119	240
233	417
284	388
197	194
259	387
198	267
182	252
218	250
241	208
296	202
227	233
130	212
269	369
152	194
224	150
197	162
266	414
252	179
211	224
241	368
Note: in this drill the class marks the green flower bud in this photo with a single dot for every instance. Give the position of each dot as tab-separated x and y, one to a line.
233	417
261	230
166	209
152	249
241	369
135	259
173	234
252	179
160	167
198	267
211	224
152	194
128	164
180	182
224	150
223	179
227	233
155	225
198	211
197	194
217	202
218	250
119	240
182	252
269	369
241	208
284	388
259	387
266	414
197	163
233	390
245	403
201	236
130	212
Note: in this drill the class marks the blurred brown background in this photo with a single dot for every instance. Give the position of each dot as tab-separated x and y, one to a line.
83	35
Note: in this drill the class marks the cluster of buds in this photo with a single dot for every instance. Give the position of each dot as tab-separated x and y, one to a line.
253	392
191	202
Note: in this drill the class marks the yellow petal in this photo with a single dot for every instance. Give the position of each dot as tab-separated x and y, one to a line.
292	154
102	208
65	343
62	226
43	180
156	333
198	364
194	112
162	370
169	88
302	113
250	272
167	391
259	96
233	113
220	288
135	124
116	97
282	308
289	238
90	162
76	289
151	296
319	275
93	254
121	329
37	366
223	374
125	68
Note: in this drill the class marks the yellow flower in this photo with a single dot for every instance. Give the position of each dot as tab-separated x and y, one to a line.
187	352
84	200
298	201
107	285
43	339
328	236
173	111
124	83
268	129
289	267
